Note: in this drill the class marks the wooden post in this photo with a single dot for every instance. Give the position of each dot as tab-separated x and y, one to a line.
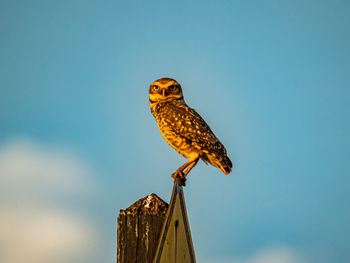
150	230
139	228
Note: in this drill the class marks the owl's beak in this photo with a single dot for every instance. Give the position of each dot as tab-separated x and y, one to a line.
163	92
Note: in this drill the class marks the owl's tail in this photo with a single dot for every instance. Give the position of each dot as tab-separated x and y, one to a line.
225	164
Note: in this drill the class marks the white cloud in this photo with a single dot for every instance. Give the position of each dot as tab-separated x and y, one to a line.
30	169
36	223
273	254
44	236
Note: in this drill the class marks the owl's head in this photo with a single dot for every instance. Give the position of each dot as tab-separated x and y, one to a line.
165	89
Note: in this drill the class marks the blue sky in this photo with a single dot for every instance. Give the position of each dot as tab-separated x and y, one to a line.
271	78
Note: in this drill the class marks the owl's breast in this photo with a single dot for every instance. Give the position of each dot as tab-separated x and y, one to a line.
181	144
171	125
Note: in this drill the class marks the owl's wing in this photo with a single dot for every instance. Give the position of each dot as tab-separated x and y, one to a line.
186	122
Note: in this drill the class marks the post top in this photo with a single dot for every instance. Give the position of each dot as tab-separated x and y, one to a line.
151	204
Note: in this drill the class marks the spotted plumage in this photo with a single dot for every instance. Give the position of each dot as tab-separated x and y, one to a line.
184	129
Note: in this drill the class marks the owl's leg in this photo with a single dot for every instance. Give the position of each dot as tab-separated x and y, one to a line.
189	168
189	165
179	171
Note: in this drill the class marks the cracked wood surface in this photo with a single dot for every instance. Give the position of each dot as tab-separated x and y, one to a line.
139	228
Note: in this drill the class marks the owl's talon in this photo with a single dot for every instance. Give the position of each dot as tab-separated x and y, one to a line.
180	177
177	174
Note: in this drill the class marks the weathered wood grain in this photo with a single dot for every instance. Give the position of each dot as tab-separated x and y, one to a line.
139	228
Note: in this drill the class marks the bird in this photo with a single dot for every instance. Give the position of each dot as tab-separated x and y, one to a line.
184	129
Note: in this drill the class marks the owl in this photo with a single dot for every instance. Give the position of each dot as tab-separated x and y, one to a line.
184	129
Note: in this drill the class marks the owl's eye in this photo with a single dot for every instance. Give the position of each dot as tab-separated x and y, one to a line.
172	87
156	87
